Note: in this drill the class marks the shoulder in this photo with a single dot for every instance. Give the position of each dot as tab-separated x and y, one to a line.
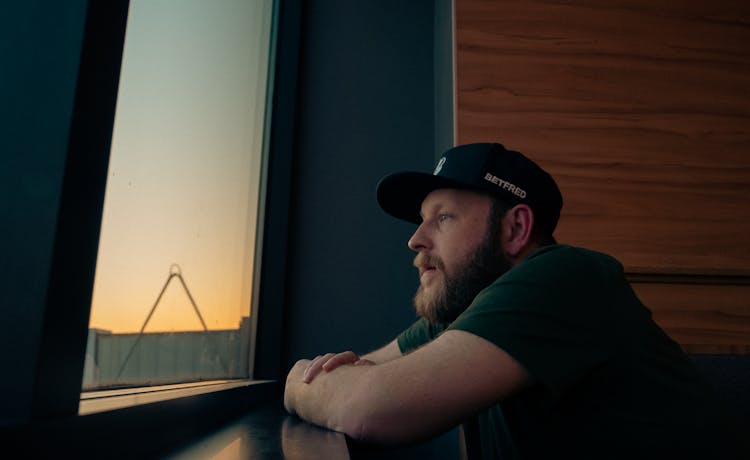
561	253
555	274
563	262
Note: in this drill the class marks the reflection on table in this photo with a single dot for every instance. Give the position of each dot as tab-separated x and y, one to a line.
267	433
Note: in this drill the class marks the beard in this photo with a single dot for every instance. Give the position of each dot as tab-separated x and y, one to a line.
447	300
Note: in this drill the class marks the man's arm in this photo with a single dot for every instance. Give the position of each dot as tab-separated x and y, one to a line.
331	361
386	353
409	398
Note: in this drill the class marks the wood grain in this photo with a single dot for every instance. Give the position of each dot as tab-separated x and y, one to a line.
641	111
702	318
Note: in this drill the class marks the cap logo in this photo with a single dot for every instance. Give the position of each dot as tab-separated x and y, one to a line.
519	192
439	166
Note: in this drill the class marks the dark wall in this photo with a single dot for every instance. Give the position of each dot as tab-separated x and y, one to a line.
366	108
375	97
40	44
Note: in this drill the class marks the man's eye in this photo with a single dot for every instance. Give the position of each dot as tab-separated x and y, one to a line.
443	217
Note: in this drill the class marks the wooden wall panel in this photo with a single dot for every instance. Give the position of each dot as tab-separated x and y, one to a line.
702	318
639	108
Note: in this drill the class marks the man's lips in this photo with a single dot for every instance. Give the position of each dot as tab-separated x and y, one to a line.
425	269
427	265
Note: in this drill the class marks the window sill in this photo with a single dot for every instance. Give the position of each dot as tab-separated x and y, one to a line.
146	423
99	401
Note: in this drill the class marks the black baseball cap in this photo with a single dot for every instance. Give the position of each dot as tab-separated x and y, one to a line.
482	167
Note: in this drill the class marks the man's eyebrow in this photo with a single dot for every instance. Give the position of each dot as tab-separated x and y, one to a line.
422	212
432	209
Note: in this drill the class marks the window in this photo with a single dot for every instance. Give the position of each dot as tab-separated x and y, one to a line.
66	70
174	274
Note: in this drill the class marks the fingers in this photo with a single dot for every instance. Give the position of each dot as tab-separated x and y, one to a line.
347	357
329	362
315	366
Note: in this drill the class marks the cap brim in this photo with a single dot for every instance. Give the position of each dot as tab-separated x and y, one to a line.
401	194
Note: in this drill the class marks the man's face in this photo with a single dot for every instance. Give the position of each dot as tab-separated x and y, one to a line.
458	253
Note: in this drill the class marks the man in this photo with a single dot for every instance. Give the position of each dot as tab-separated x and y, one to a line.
541	350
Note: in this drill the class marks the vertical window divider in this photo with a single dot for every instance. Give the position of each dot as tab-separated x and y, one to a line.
62	347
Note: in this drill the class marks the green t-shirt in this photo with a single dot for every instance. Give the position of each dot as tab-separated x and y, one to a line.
607	381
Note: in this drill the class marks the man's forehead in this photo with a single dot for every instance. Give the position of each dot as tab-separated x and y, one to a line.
452	196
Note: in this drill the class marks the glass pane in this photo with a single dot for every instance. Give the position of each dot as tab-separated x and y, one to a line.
173	283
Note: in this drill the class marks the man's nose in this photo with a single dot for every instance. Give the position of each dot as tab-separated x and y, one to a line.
419	240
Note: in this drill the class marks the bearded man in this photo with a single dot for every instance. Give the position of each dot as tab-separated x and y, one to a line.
539	350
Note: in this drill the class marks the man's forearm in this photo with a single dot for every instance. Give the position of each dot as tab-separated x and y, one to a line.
335	400
384	354
411	398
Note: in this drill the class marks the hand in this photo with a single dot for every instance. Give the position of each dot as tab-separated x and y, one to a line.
304	371
292	380
330	361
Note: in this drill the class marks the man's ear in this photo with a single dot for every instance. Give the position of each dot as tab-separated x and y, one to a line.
518	223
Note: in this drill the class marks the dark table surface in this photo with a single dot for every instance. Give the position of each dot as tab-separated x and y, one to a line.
267	432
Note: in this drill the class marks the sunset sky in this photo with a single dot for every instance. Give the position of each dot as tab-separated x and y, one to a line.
182	186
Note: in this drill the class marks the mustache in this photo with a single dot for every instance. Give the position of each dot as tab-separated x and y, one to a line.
422	261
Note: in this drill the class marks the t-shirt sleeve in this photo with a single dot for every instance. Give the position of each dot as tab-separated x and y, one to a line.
548	314
417	335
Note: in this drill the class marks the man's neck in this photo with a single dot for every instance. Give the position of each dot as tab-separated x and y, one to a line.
528	249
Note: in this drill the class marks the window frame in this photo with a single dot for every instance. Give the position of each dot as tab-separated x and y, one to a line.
56	386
